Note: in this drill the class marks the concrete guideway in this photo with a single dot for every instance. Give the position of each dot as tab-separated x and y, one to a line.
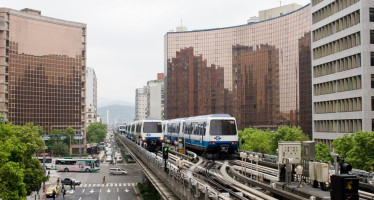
164	191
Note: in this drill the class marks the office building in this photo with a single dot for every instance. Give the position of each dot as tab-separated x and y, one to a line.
42	70
254	72
342	65
91	100
141	103
155	98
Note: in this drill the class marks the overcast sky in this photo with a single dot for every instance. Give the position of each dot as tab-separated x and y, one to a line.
125	38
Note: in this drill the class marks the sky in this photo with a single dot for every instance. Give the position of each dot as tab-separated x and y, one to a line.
125	38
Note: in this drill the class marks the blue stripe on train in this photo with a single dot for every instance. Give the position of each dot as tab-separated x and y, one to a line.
206	144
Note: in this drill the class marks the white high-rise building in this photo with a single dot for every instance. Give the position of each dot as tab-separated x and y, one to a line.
91	100
141	103
155	99
343	67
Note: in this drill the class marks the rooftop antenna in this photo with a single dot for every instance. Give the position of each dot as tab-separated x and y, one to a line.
181	22
280	3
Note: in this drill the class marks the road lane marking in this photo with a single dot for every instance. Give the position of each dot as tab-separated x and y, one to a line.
80	198
100	190
118	198
89	185
91	191
108	190
111	185
84	190
117	189
126	190
84	185
115	184
94	185
133	184
120	184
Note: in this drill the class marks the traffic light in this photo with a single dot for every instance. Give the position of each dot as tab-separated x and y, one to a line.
165	152
345	168
344	186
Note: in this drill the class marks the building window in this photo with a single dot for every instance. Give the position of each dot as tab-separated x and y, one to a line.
372	103
371	14
372	59
372	81
372	125
371	37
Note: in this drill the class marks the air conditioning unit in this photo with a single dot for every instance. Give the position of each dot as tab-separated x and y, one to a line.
290	151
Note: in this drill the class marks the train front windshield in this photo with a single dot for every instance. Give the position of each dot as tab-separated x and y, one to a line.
222	127
152	127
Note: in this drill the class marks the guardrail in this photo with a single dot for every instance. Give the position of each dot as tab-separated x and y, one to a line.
182	185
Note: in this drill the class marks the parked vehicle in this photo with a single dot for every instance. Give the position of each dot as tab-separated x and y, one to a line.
119	159
69	181
109	158
113	171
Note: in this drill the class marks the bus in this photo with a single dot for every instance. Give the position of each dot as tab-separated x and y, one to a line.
49	162
77	165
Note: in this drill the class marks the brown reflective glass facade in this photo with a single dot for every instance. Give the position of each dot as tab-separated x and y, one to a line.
45	62
259	73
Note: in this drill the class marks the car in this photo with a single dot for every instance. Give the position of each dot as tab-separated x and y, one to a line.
50	189
113	171
69	181
108	158
119	159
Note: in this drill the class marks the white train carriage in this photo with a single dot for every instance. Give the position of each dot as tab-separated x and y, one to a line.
216	133
149	133
122	129
174	133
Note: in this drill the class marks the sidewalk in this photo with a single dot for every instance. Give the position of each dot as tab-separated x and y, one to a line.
52	181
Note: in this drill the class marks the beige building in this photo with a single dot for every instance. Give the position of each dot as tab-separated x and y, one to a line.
342	68
42	71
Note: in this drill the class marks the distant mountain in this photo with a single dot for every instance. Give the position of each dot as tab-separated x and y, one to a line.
118	114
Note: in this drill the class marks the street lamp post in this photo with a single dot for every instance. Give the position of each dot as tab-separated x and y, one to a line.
69	144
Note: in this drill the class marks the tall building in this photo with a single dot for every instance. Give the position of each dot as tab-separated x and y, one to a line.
343	73
278	11
91	100
253	72
155	98
141	103
42	70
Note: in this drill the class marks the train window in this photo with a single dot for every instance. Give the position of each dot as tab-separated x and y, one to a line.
222	127
152	127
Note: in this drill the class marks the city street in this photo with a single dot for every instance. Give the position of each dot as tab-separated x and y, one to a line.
116	187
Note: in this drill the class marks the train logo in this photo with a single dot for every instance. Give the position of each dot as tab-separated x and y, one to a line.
148	134
217	137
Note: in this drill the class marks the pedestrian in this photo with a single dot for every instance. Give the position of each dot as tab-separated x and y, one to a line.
104	180
49	172
63	188
74	184
58	182
63	193
54	194
71	185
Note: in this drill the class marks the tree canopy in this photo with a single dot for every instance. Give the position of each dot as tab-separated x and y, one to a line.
357	149
19	172
256	139
323	153
96	132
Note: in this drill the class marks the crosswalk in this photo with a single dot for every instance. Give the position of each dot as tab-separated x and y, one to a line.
108	185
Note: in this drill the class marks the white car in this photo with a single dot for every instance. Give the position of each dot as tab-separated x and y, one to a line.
108	159
119	158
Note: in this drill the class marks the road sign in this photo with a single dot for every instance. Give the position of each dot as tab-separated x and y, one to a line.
78	137
46	137
63	137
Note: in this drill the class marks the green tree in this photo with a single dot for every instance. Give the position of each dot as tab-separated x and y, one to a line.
19	172
323	153
343	144
96	132
255	140
361	156
70	132
60	149
286	133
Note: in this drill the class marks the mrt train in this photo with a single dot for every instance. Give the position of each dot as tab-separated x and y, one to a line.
216	133
147	133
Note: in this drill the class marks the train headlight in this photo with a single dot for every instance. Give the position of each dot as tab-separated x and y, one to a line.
161	138
143	138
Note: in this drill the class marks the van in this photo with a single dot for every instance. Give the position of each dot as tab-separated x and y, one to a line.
113	171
